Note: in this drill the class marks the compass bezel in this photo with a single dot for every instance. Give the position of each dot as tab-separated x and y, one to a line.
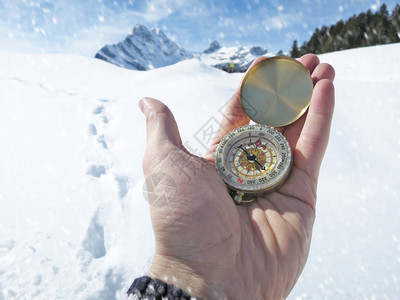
272	178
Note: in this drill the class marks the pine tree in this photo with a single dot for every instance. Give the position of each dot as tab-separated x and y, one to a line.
295	51
280	53
396	19
382	27
383	10
365	29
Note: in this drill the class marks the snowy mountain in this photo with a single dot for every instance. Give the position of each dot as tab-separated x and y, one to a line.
74	223
222	57
146	49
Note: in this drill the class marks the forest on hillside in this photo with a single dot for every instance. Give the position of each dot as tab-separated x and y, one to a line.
365	29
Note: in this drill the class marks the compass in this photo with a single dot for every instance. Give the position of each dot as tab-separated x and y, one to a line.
257	158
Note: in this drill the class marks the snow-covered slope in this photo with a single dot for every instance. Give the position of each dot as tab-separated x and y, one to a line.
146	49
73	220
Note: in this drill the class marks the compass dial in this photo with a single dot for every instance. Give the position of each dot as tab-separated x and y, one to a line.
253	159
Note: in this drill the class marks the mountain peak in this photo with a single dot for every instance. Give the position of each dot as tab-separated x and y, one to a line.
147	49
138	29
142	31
144	49
214	46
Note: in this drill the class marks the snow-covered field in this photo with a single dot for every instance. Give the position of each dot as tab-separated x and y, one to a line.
73	220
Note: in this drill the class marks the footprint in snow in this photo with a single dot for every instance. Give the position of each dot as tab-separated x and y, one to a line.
98	110
96	170
123	185
101	139
93	240
92	129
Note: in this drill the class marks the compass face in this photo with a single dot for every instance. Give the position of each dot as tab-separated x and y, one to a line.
253	159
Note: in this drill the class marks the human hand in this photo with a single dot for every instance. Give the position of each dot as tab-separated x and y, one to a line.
207	245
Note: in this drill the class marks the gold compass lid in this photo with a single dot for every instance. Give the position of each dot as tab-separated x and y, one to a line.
276	91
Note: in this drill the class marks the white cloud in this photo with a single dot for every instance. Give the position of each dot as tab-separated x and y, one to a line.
278	23
375	6
225	22
284	21
157	10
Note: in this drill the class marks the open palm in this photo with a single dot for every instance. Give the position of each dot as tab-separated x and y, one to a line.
207	245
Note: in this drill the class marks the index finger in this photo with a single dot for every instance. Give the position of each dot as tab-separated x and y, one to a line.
314	136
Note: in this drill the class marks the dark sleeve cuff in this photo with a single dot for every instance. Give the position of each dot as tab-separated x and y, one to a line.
154	289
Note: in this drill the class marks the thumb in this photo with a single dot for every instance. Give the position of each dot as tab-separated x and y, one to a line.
162	133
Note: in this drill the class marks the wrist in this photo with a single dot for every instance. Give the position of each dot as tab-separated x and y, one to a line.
146	287
202	286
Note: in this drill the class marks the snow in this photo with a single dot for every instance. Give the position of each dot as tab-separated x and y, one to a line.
74	223
355	252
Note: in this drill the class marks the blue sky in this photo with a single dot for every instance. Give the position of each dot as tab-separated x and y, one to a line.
83	27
